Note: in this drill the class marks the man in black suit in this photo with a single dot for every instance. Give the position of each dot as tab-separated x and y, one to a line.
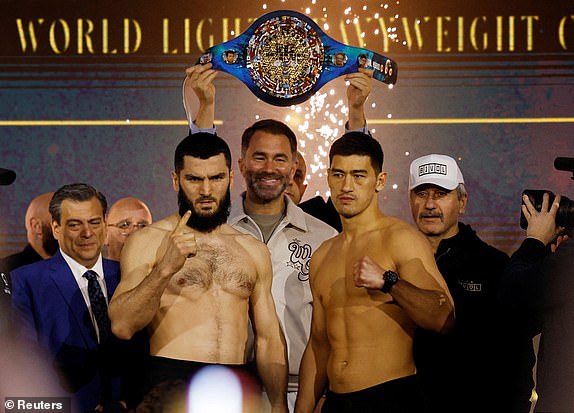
41	241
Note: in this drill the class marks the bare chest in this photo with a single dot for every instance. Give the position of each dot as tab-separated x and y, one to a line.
337	271
220	265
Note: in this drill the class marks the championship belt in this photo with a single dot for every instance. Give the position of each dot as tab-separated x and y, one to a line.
284	58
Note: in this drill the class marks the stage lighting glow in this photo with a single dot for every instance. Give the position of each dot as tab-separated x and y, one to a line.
215	389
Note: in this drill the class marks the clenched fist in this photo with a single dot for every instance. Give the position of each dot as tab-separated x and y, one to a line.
367	273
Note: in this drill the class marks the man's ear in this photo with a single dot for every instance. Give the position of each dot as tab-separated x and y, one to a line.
462	204
381	181
231	178
56	230
293	170
175	181
36	226
241	165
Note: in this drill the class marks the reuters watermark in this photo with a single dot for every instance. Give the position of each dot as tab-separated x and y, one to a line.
37	405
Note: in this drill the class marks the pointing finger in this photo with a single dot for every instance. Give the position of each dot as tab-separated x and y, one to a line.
182	224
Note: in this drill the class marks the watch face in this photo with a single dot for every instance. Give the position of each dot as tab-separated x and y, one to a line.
390	278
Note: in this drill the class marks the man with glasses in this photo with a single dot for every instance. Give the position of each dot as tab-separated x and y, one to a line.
126	215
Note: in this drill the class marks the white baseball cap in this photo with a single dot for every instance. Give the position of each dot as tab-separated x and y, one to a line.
435	169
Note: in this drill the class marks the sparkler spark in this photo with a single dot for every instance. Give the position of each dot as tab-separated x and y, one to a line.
321	119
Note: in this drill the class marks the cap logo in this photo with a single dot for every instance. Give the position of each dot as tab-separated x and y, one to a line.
433	168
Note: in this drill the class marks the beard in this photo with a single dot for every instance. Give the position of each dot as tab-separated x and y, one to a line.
262	193
49	243
199	220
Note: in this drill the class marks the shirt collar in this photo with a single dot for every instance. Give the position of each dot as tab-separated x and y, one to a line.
294	216
78	269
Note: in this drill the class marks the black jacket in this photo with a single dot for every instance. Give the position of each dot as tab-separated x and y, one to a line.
540	285
485	363
27	256
323	210
7	264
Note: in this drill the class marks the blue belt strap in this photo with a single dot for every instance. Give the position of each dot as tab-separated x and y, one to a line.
284	58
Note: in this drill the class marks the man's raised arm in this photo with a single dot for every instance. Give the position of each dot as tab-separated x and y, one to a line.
137	298
198	86
360	86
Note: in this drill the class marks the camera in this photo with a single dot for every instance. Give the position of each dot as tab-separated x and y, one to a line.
564	215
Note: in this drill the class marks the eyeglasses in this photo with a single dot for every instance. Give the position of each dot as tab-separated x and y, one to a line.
126	227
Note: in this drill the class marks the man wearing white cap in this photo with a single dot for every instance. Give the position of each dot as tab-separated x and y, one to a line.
485	363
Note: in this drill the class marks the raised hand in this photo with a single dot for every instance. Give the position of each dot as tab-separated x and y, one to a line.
360	86
181	246
199	79
541	224
199	95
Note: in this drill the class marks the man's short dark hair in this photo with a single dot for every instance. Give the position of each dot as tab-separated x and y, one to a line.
273	127
203	146
78	192
358	143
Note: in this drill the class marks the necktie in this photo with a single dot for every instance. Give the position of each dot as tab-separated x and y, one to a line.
99	305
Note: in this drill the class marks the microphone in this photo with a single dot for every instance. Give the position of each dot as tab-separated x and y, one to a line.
564	164
7	176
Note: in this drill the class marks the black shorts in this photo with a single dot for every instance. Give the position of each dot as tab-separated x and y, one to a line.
396	396
162	369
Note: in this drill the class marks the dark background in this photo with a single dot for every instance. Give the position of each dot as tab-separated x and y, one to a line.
504	111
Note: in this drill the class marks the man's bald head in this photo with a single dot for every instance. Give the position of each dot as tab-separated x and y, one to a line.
297	187
38	226
124	217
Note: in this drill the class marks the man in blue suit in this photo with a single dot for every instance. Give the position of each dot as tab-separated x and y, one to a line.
61	302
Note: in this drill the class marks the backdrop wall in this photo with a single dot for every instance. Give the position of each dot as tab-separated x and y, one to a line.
91	91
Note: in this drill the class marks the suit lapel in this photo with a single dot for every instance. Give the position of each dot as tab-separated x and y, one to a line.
111	275
64	279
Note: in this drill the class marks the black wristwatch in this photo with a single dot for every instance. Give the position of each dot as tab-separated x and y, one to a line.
390	278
